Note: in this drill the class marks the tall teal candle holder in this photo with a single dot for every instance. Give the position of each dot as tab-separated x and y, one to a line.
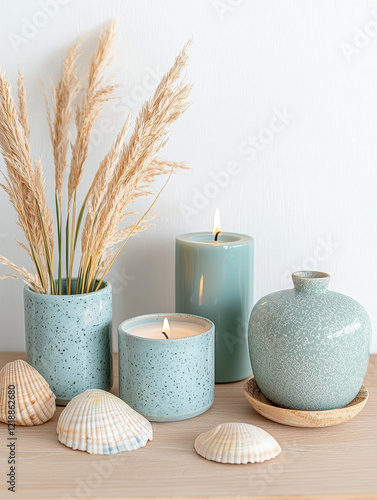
167	379
214	279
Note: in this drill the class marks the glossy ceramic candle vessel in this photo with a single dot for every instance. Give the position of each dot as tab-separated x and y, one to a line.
309	347
167	379
215	280
69	340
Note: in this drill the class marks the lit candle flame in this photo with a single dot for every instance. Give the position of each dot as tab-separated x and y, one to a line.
217	224
201	290
166	328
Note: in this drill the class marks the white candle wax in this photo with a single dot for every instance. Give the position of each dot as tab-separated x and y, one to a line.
178	330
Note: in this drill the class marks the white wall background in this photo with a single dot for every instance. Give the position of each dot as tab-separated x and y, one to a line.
306	192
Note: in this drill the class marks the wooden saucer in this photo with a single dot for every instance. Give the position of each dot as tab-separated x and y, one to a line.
300	418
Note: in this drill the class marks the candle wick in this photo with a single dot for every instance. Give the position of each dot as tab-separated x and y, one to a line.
217	235
163	333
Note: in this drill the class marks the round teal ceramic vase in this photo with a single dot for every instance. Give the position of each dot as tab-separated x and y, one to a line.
171	379
309	347
69	340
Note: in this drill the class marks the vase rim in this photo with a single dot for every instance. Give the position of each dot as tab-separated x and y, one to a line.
105	284
310	275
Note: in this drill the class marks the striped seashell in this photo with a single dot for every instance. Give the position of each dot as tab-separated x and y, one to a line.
33	398
99	423
235	443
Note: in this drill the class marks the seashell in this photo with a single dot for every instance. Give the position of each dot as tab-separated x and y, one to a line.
34	400
102	424
235	443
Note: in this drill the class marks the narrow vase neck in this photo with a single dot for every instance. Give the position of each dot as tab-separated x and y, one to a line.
312	282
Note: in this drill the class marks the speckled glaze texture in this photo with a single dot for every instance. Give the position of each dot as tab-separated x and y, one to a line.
167	380
69	340
309	347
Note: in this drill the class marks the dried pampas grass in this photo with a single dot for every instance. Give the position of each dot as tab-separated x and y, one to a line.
126	173
24	186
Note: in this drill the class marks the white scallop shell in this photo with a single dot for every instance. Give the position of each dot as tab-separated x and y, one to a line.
102	424
235	443
34	400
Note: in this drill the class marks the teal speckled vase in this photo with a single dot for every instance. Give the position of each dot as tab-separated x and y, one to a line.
69	340
309	347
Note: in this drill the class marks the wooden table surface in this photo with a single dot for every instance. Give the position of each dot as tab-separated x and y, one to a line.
330	463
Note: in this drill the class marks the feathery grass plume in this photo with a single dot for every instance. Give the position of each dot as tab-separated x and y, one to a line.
63	97
104	173
95	285
31	280
165	164
126	173
99	185
21	182
133	230
138	164
97	93
23	115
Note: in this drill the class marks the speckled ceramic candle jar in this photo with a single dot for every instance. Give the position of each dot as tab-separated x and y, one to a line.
309	347
167	379
69	340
